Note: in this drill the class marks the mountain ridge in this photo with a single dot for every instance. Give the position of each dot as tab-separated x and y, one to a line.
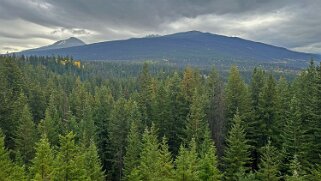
191	46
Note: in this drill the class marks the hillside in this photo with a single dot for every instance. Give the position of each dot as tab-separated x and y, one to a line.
186	48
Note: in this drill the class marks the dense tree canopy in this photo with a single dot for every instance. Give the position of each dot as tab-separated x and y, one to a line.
133	121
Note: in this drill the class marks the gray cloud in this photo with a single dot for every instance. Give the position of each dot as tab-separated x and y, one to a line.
293	24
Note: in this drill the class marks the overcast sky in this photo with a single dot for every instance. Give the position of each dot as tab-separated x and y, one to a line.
294	24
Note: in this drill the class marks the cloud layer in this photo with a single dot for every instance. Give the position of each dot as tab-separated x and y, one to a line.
28	24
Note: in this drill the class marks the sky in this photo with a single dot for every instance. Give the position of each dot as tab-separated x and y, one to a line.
25	24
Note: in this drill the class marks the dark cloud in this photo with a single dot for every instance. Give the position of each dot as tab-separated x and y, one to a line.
290	23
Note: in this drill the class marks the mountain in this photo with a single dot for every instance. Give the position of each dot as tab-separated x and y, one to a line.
70	42
191	47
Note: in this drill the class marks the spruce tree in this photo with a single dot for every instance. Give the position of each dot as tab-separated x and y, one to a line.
216	109
50	125
196	123
237	150
297	173
165	162
123	113
133	149
237	97
103	106
293	135
69	164
269	165
268	123
149	166
8	170
187	163
43	163
92	163
208	164
26	135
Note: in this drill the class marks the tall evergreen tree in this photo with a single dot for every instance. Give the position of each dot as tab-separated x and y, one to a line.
268	114
92	163
196	123
69	164
43	163
237	151
187	163
293	135
269	166
297	173
208	164
51	124
103	106
8	170
216	109
237	97
26	135
133	150
155	160
123	113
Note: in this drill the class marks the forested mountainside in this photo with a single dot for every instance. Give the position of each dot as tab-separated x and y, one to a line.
193	47
63	119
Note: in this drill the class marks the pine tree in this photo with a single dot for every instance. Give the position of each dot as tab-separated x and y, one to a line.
133	149
208	161
43	163
26	135
187	163
269	166
92	163
237	151
69	164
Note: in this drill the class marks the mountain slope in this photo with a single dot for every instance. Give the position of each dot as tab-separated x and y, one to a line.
188	47
70	42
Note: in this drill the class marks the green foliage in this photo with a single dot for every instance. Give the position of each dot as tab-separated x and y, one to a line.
9	171
237	153
216	109
133	150
92	163
196	123
208	163
43	163
107	104
69	164
237	97
26	135
270	161
187	163
155	160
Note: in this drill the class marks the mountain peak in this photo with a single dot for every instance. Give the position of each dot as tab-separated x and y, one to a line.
66	43
70	42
